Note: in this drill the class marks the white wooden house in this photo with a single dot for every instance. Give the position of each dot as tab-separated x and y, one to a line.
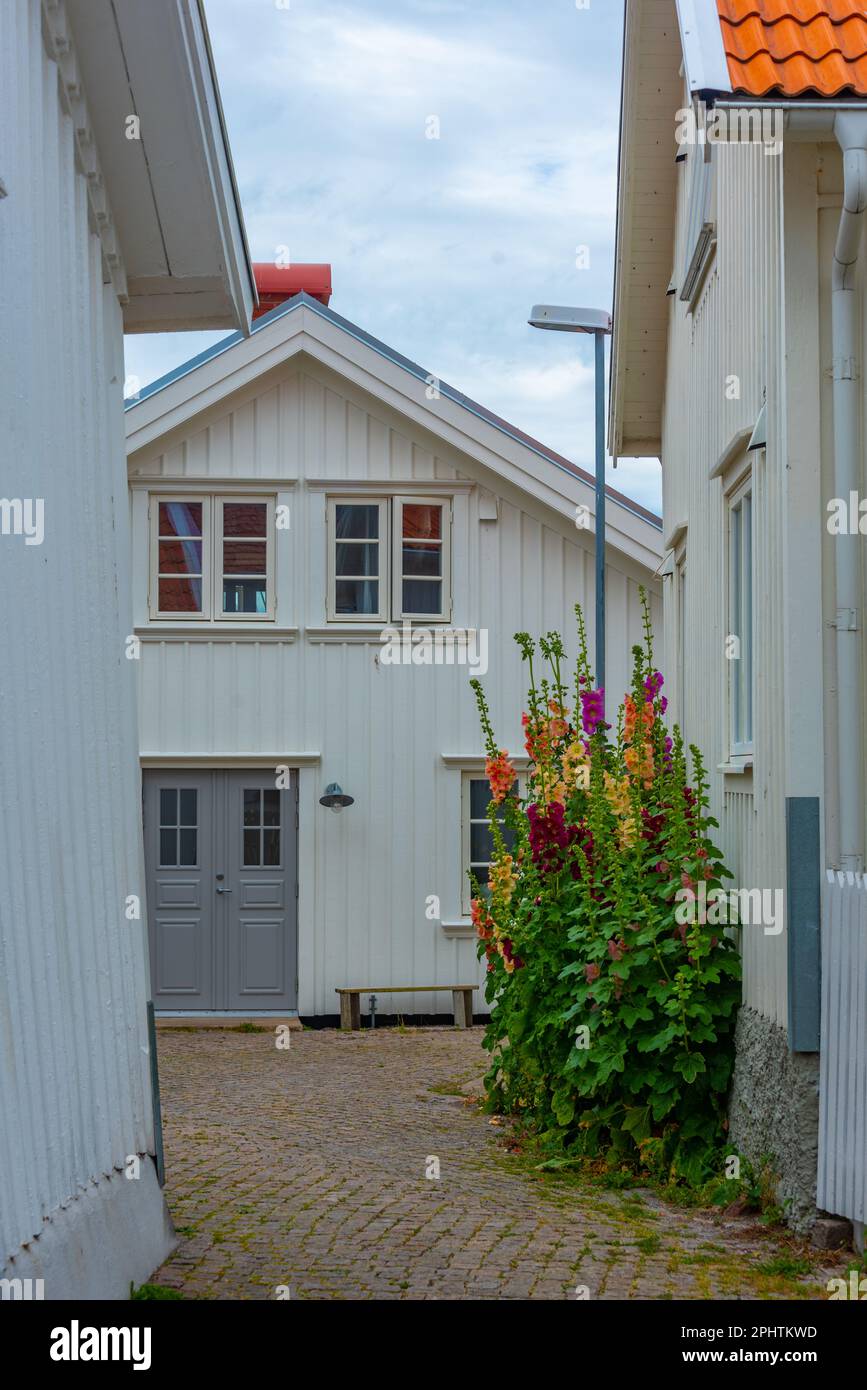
117	211
738	352
293	497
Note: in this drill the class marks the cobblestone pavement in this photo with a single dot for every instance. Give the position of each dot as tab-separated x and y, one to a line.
307	1168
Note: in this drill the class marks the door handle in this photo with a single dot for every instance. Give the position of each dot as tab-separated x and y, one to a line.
225	890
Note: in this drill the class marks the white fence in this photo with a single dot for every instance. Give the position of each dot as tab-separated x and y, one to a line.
842	1180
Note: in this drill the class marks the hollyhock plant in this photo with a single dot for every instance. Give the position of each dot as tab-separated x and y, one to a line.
578	923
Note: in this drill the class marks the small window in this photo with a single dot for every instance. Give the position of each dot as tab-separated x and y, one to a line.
389	559
195	538
359	554
244	540
261	828
420	559
181	541
477	838
178	827
700	236
740	628
682	630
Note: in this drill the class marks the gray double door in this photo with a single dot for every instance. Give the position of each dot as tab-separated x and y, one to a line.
221	858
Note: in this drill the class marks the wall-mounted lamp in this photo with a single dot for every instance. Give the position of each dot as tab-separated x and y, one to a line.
335	797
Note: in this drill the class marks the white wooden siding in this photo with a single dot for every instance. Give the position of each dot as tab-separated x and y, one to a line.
382	731
734	332
74	1084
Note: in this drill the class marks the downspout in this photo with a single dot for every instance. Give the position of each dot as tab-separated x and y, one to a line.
850	129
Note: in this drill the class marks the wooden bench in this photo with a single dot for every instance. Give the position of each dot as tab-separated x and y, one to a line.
462	1001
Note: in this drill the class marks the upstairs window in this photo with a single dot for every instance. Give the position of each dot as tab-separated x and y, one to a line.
740	636
212	558
389	559
700	242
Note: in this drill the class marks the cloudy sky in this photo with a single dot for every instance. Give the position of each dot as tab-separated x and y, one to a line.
438	246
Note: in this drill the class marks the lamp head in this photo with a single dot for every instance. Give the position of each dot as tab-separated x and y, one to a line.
564	319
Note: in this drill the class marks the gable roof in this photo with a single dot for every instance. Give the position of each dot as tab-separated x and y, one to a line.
304	324
786	48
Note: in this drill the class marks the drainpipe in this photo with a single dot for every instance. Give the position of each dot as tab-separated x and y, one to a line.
850	129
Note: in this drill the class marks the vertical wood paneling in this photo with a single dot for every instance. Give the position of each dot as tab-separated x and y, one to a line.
734	337
74	1085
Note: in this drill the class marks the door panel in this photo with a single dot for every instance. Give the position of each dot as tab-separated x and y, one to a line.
260	918
178	815
221	854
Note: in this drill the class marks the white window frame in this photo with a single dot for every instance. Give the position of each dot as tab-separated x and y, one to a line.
212	558
391	557
680	582
399	613
700	226
384	576
173	615
219	504
741	606
468	776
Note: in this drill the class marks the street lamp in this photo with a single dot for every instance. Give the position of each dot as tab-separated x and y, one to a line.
597	322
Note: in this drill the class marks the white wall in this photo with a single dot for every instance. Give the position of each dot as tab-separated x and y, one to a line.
74	1083
382	731
735	331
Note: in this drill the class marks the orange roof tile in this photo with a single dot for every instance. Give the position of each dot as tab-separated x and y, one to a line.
795	47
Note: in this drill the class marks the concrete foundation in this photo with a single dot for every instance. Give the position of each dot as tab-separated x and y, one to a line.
114	1233
774	1113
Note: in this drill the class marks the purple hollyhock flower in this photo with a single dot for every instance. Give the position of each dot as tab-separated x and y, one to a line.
592	710
652	686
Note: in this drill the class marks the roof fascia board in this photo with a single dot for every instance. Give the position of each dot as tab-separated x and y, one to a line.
310	328
707	69
232	229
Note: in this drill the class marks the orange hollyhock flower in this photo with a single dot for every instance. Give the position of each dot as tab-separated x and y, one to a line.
501	775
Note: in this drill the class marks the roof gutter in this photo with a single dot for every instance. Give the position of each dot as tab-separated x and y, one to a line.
851	133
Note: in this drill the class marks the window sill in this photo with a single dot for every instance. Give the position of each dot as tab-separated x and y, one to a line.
380	633
458	928
736	767
264	631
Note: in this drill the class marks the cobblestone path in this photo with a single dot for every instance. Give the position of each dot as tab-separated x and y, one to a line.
308	1169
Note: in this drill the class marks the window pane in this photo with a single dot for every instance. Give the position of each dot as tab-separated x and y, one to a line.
481	843
251	846
188	846
422	559
168	847
272	846
356	521
180	557
356	557
422	596
180	595
480	873
245	519
180	519
251	806
480	796
245	596
168	806
422	521
189	797
271	807
357	595
244	557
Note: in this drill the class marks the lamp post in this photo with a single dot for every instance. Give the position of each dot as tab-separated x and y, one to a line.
597	323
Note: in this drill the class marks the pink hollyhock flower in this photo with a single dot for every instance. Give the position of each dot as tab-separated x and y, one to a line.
591	972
